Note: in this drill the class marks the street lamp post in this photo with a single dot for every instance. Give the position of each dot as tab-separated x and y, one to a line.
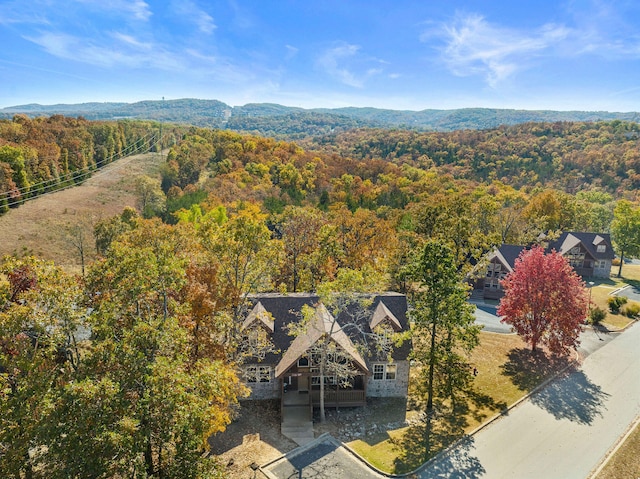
590	283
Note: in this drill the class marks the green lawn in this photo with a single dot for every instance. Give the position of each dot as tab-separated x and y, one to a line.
602	289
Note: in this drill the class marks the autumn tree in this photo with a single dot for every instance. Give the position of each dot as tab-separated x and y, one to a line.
151	199
625	230
300	232
246	258
141	362
545	301
107	230
39	354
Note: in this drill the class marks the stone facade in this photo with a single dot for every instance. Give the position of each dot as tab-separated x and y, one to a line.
379	385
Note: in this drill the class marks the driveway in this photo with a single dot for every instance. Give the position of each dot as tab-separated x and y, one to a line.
324	458
630	292
487	316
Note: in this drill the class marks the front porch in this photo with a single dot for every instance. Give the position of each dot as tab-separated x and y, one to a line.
303	387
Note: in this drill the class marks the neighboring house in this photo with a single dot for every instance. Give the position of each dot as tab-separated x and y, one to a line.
292	368
590	255
501	263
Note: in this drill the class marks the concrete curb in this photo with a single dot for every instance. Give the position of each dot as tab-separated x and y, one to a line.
607	457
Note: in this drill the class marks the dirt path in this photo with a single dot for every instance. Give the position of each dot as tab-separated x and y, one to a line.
37	226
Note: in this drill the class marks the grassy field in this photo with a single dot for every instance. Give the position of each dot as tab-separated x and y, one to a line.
38	226
507	371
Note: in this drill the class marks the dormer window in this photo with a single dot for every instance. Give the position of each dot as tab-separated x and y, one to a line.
382	316
259	315
602	248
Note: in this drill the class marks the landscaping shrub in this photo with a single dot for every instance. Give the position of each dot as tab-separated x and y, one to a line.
597	315
632	311
615	302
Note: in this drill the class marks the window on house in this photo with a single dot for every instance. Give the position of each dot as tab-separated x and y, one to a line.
602	248
315	380
602	264
303	362
384	371
391	372
258	374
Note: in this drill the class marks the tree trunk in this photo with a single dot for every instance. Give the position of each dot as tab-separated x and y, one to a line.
621	261
432	365
148	458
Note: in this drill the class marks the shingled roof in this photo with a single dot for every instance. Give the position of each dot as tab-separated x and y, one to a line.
507	254
382	314
258	313
286	309
322	324
589	241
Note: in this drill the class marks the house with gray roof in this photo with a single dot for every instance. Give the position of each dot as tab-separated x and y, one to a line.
292	368
590	255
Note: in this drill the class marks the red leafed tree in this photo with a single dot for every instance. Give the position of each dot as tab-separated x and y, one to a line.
545	301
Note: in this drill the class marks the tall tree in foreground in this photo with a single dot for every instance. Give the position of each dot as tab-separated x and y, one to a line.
444	328
545	301
625	230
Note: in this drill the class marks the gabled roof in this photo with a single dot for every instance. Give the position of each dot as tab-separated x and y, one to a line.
382	314
285	309
507	255
258	313
589	241
322	324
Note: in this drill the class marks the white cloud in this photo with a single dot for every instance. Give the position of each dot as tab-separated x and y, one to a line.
19	13
137	9
332	62
291	52
132	41
78	49
191	12
343	61
473	46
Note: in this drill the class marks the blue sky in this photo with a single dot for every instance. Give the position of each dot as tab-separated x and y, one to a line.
548	54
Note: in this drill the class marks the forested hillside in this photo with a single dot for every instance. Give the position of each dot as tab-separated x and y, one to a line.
45	154
569	156
165	295
292	123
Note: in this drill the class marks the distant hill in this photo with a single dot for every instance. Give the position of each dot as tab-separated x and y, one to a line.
285	122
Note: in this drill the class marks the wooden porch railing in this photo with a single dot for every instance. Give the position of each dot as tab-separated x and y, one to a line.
345	397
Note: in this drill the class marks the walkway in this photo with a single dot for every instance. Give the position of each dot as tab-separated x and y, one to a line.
297	423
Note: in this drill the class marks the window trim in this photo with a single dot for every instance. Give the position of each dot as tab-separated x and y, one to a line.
382	370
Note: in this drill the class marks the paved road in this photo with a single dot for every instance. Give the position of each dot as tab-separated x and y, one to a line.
563	431
486	315
630	292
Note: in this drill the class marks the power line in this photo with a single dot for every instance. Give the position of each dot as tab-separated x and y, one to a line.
78	173
93	173
75	173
